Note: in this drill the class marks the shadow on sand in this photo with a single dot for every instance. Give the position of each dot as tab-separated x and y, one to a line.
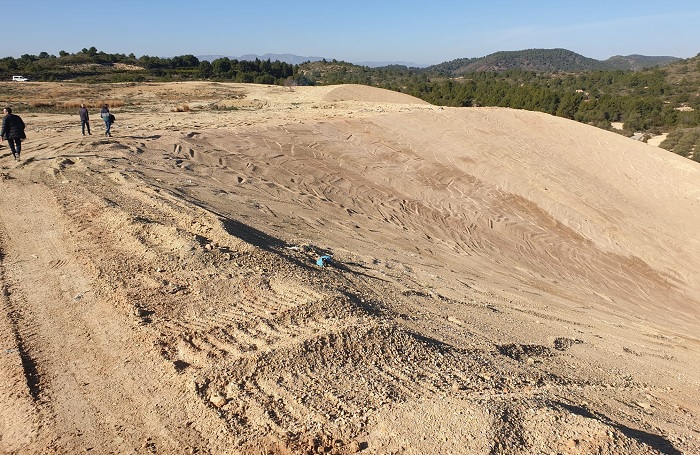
654	441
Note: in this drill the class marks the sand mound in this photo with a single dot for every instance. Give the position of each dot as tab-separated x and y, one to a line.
501	281
366	94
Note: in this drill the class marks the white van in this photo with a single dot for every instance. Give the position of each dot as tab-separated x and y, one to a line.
19	79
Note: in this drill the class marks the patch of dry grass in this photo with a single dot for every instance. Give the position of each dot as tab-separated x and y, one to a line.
92	104
40	103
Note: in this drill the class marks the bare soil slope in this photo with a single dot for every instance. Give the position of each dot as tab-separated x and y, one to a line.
502	281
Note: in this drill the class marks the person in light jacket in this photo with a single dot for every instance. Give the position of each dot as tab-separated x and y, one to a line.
104	113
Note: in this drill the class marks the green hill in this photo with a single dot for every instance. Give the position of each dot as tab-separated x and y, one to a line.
547	61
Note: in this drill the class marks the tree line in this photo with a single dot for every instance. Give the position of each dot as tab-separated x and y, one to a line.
91	65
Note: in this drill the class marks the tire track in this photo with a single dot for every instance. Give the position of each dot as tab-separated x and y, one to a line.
73	347
19	380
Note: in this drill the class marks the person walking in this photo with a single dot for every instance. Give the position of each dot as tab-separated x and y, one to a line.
107	117
84	119
13	131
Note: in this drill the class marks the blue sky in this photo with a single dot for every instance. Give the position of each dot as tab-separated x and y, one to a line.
421	32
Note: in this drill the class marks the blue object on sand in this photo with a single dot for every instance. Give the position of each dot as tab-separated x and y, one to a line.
324	261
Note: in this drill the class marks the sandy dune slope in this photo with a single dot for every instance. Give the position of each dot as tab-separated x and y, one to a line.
502	281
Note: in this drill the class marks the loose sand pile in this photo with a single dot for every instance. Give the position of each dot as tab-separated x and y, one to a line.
502	281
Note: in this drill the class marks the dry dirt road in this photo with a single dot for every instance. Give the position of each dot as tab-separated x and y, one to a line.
502	281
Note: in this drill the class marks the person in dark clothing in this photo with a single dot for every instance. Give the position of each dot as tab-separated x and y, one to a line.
84	119
104	113
13	131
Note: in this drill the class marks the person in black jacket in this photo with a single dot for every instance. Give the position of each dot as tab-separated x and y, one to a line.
13	131
84	119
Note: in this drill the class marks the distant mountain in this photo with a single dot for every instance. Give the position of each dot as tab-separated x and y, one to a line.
547	60
286	58
637	62
297	60
383	64
539	60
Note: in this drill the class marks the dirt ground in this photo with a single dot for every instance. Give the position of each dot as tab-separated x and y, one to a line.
502	281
